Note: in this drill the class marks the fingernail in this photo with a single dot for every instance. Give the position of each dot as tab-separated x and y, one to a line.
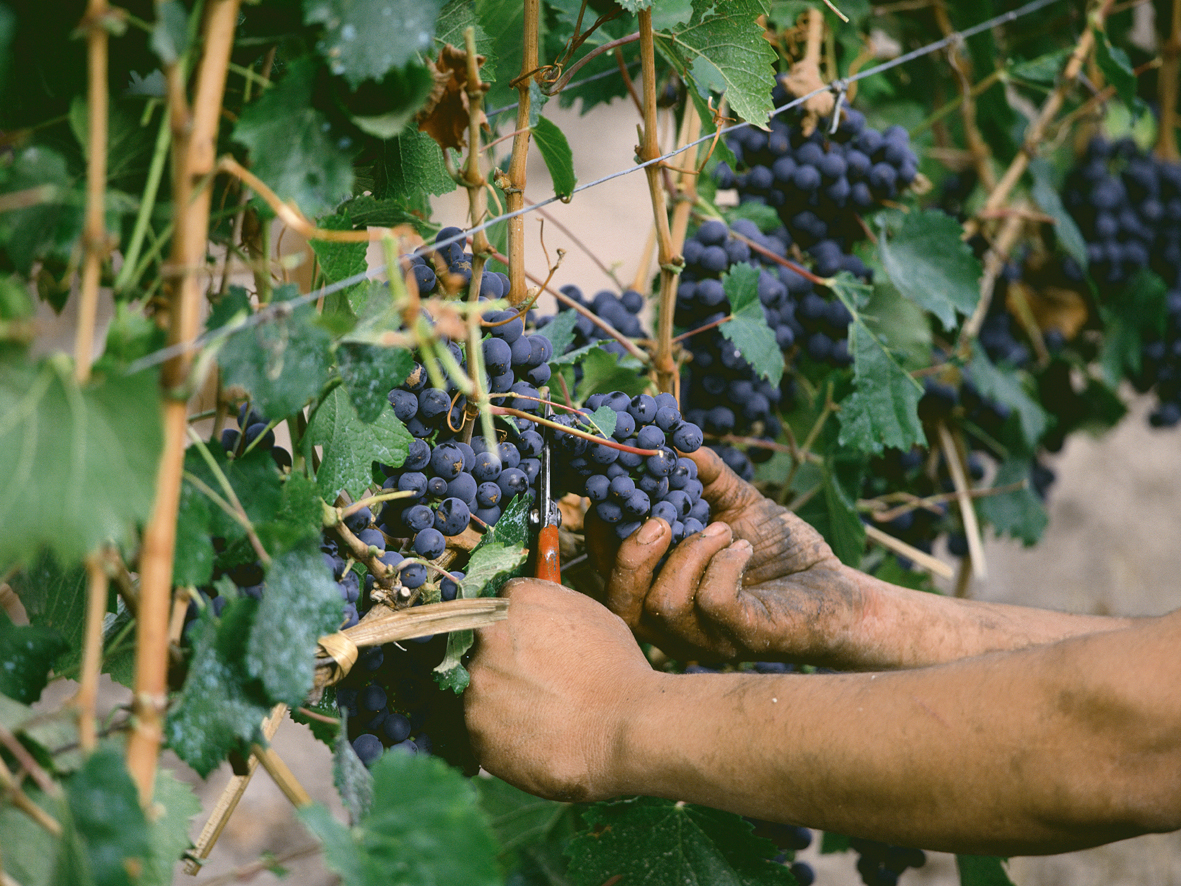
715	529
650	532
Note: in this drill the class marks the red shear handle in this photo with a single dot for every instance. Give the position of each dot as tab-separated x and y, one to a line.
548	568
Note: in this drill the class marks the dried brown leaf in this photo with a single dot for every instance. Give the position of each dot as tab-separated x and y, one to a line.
447	113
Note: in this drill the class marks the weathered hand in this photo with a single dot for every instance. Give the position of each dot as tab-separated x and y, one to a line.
551	689
757	584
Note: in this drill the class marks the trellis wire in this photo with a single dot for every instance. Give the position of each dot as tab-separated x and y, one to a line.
840	85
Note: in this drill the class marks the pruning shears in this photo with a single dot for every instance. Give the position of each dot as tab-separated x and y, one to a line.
547	516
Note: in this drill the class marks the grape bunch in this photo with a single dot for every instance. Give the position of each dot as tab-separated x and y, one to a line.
820	183
1127	205
744	402
1160	367
881	864
621	311
626	486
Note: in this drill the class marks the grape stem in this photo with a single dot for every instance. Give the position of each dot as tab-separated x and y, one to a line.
713	324
977	146
566	300
1166	141
1035	133
518	162
194	137
670	263
97	583
95	235
622	447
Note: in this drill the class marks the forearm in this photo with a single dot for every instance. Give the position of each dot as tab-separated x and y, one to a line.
1048	749
903	628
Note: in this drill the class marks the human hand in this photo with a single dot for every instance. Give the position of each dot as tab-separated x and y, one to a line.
759	583
552	687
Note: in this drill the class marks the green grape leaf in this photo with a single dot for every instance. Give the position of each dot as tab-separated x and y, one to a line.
931	265
533	832
54	597
555	151
560	331
49	738
845	531
1018	513
384	108
365	39
170	35
883	409
33	865
982	870
220	708
603	371
604	418
832	842
351	446
282	360
327	707
256	482
766	217
491	564
7	34
339	260
51	222
1138	311
131	336
367	211
1047	198
299	517
75	456
662	843
1116	68
301	604
747	328
456	17
119	660
424	827
899	323
512	531
412	169
292	144
722	49
369	372
105	833
169	832
352	779
1042	71
1009	387
27	653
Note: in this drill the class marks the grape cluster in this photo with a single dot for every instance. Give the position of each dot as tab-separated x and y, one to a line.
253	433
821	182
1127	204
391	699
621	311
1160	367
627	487
744	402
881	864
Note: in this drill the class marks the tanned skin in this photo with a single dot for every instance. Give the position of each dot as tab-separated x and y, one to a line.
976	727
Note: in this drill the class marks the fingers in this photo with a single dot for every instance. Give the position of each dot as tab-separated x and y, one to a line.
634	566
673	594
724	490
